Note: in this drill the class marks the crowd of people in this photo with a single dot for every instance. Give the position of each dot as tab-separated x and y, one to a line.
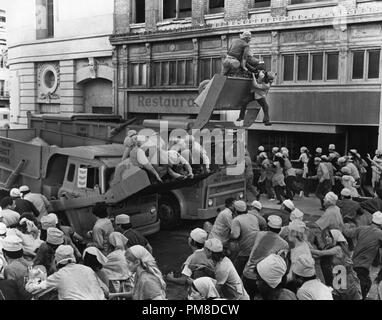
281	177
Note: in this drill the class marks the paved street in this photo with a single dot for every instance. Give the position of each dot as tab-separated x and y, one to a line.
171	249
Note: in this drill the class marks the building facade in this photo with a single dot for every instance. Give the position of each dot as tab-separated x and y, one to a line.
4	72
327	55
60	57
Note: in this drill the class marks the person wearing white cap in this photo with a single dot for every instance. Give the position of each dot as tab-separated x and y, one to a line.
284	213
41	202
332	150
10	217
296	214
376	167
72	281
310	288
290	175
45	253
337	253
332	217
17	267
124	226
237	55
203	289
350	209
278	178
345	162
368	242
244	228
197	264
222	226
271	271
348	182
103	227
255	208
324	180
304	159
95	260
21	205
28	232
266	243
228	282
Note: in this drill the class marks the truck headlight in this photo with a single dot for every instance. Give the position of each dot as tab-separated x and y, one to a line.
153	210
210	203
241	196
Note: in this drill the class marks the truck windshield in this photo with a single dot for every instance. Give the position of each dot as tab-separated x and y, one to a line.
92	177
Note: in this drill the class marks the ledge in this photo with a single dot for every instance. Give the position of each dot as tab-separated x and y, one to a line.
300	6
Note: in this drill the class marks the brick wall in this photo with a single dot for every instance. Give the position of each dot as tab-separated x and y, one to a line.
349	4
236	9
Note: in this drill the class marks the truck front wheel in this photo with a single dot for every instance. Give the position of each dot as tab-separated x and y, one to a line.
169	212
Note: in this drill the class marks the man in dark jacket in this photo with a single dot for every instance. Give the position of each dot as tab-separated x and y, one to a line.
23	206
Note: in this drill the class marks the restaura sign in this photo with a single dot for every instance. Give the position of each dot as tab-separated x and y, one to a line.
163	103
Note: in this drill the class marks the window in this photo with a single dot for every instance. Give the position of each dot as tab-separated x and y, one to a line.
366	64
259	3
138	74
50	11
71	171
93	178
316	66
173	73
5	117
215	6
3	19
288	67
2	87
208	67
267	61
139	11
332	66
304	1
302	67
177	9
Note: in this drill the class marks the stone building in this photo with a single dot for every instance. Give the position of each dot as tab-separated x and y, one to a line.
60	57
326	54
4	73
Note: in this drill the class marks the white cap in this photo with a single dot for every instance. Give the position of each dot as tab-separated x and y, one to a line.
49	221
261	149
240	206
377	218
199	235
272	269
346	192
275	149
131	133
64	254
15	193
289	204
275	222
319	150
342	160
12	243
122	219
332	147
303	149
331	197
3	229
98	254
257	205
317	159
24	189
214	245
297	225
296	214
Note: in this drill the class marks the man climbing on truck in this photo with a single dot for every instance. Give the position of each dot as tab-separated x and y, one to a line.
237	55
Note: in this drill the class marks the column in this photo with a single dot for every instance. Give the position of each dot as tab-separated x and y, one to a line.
198	11
122	16
380	105
71	94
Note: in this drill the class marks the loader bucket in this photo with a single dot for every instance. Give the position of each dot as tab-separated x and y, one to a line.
222	93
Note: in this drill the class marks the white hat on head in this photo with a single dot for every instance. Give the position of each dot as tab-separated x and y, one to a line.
331	197
272	269
15	193
319	150
245	34
261	149
12	243
214	245
97	253
257	204
122	219
296	214
304	266
332	147
346	192
240	206
3	229
342	160
55	236
49	221
24	189
317	159
297	225
275	222
275	149
131	133
377	218
199	235
289	204
64	254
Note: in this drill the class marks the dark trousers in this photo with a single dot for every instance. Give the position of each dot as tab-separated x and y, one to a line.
327	269
240	263
250	286
363	275
264	105
290	189
280	193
